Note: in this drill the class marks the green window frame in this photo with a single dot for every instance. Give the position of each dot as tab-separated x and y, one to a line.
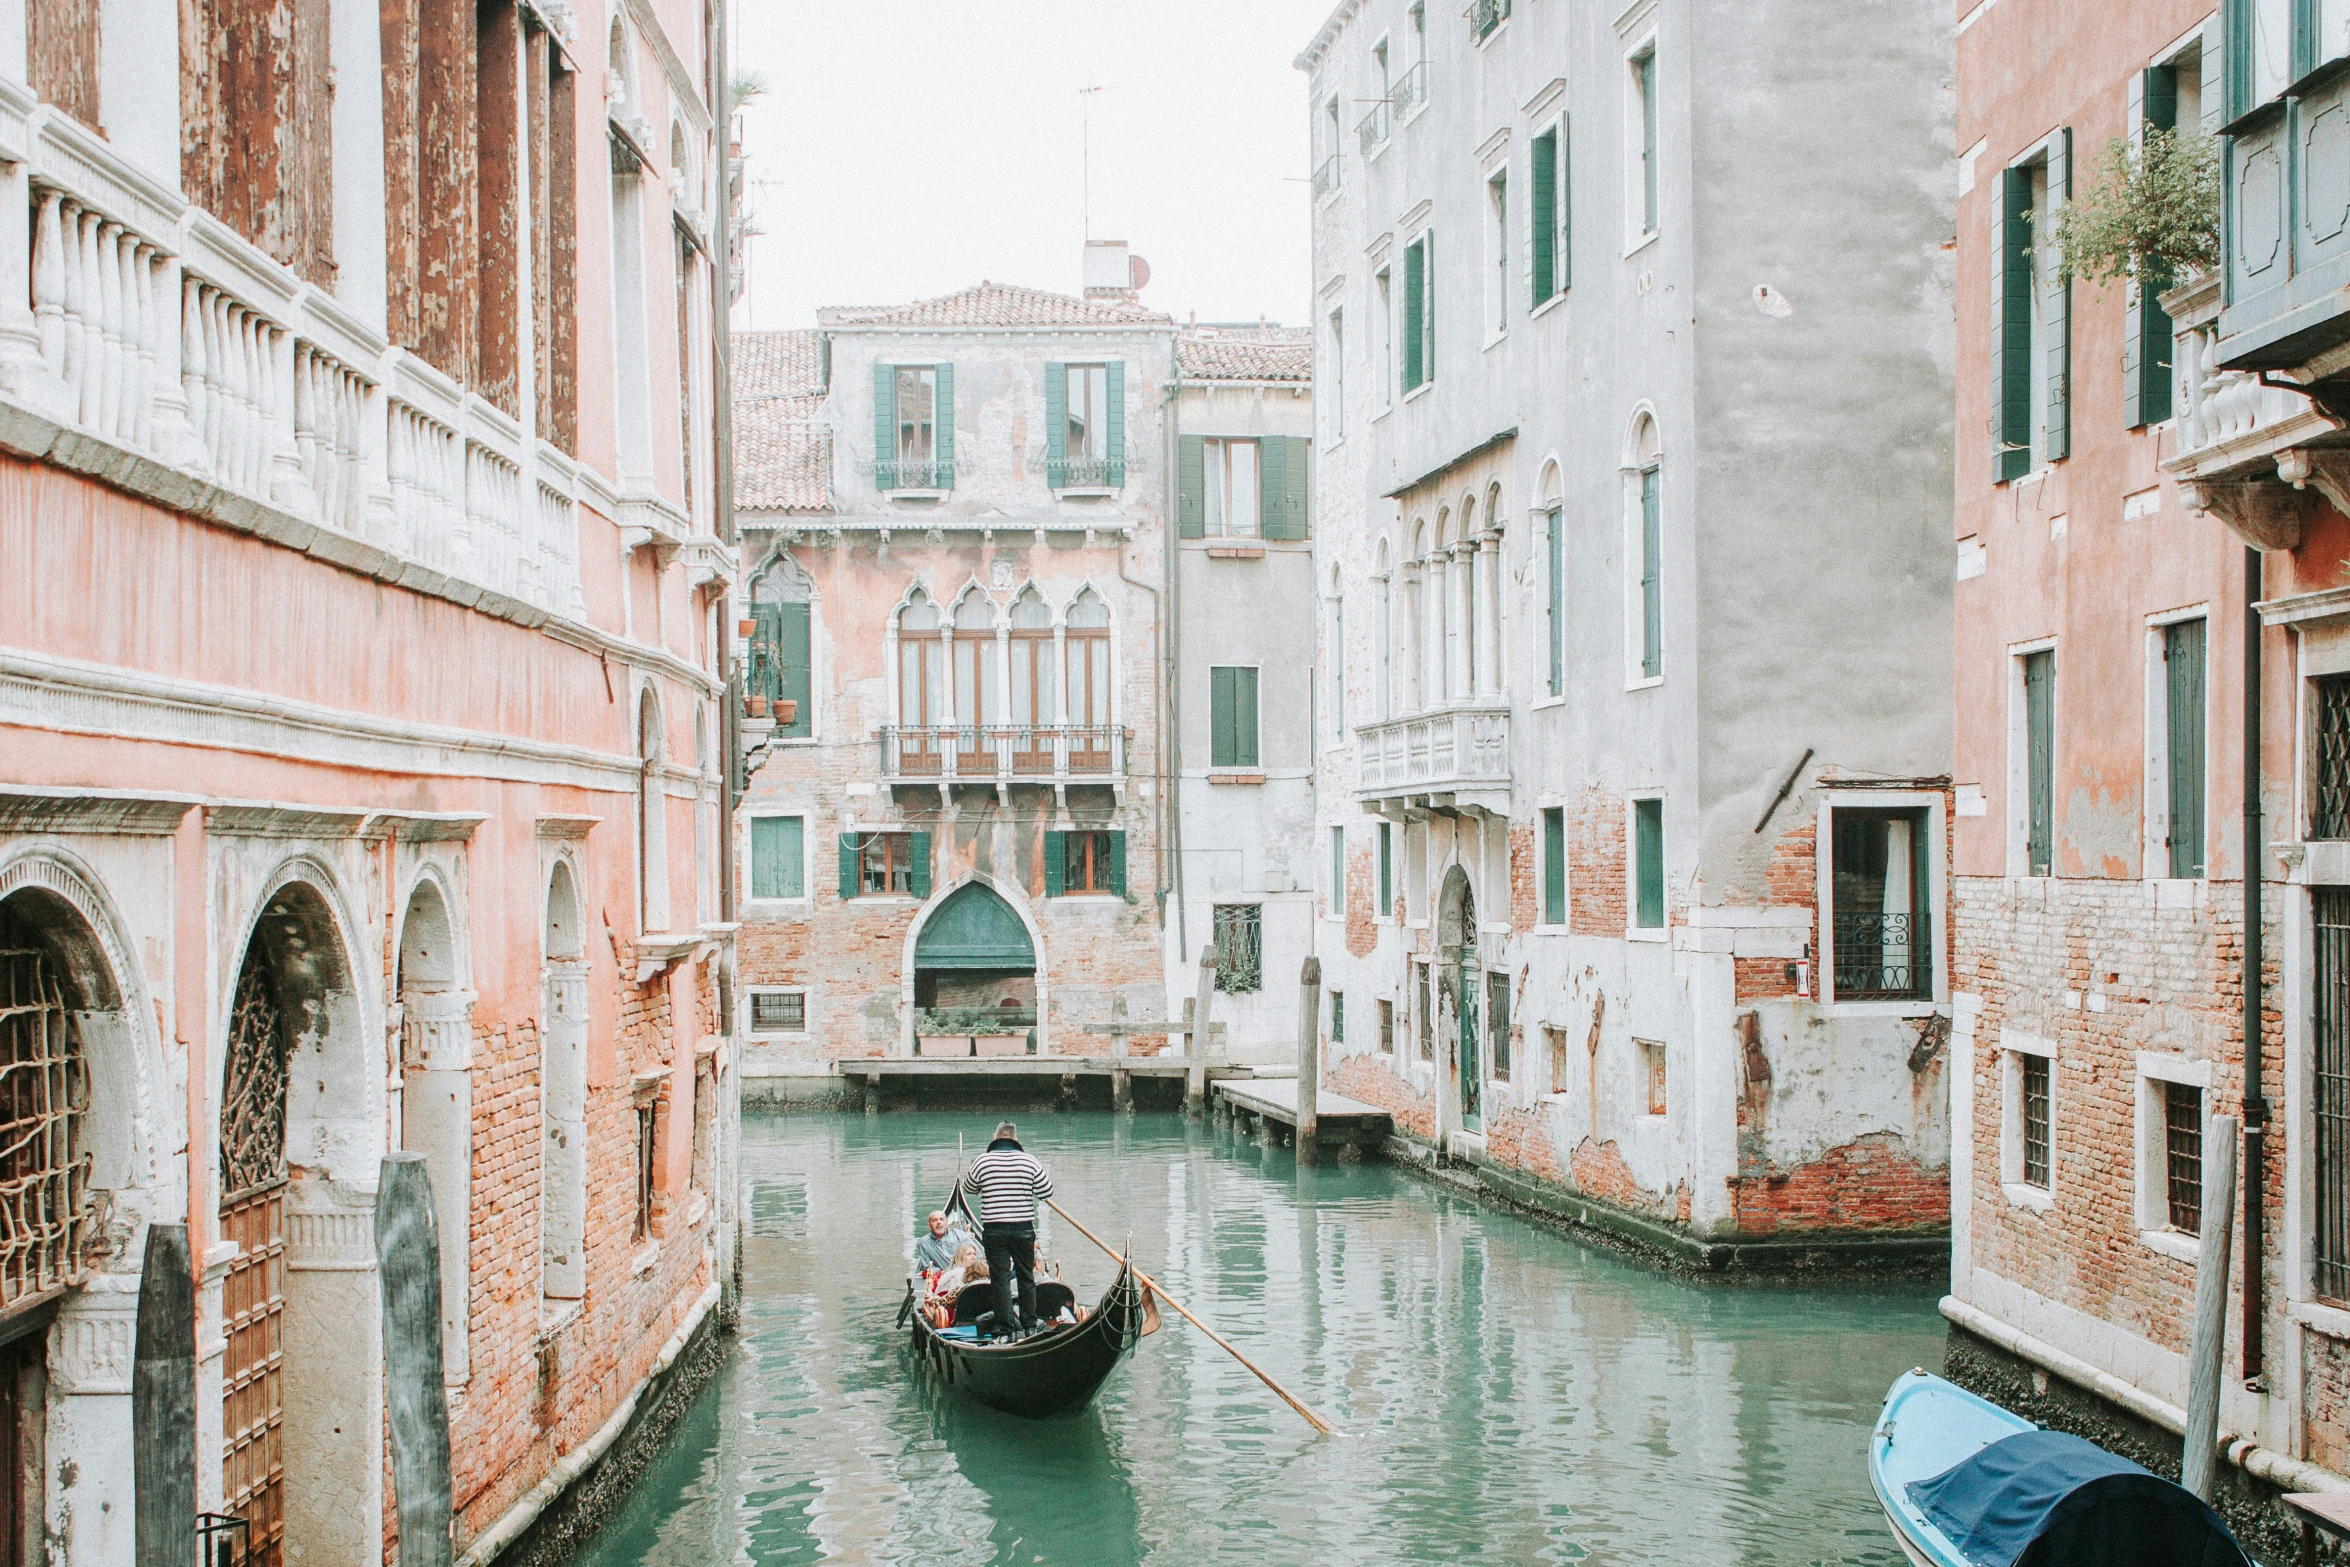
1419	312
779	861
1232	715
1549	221
1648	864
1554	865
1497	1024
884	863
2011	326
2147	341
892	470
1085	861
1386	869
2039	676
2185	717
1103	464
1652	604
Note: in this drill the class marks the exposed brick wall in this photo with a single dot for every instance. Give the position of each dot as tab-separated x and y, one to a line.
1525	876
1362	900
1596	865
1870	1184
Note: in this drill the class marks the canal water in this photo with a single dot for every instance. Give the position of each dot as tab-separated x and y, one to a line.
1509	1396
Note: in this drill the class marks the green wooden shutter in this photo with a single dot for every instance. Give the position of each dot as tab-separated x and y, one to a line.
1555	528
1295	492
848	866
1648	142
1648	852
2214	91
1564	262
918	862
1056	864
1415	266
2060	324
1428	307
763	675
1056	424
1191	486
795	668
1244	717
2146	337
1545	213
776	857
2183	668
1386	869
885	426
1554	865
2011	337
942	408
1117	861
1272	488
2039	762
1652	631
1114	421
1222	748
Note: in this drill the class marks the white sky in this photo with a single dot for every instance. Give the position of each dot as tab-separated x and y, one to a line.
909	148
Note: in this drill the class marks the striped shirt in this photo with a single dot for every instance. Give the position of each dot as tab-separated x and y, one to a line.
1008	1181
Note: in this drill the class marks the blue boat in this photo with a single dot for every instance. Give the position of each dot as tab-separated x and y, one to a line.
1965	1483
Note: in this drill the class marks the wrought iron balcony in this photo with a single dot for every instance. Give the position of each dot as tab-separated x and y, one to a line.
908	473
986	754
1437	757
1326	177
1411	90
1085	473
1371	129
1883	957
1485	16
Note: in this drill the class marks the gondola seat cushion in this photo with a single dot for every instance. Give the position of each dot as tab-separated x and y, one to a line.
2048	1499
978	1300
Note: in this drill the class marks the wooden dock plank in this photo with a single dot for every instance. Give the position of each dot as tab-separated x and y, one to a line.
1275	1098
1020	1066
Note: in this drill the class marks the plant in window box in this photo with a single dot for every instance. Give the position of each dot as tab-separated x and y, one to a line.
2149	214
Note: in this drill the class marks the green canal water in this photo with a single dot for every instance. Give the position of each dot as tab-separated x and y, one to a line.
1510	1396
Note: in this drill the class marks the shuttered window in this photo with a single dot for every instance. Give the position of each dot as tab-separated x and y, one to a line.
1232	715
1386	868
2011	332
884	864
913	427
1554	865
1652	635
2056	307
1085	425
2183	743
1338	872
1419	322
1554	538
1548	220
1648	864
2039	762
779	667
778	857
1282	474
2146	336
1644	74
1084	862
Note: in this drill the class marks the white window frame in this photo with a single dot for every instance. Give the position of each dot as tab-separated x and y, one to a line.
1633	929
1635	546
2156	1068
2154	850
1562	224
1336	322
1497	251
750	1011
1097	424
1543	925
1385	307
754	815
2014	1045
1654	1059
1338	870
2019	763
1638	235
1937	896
1425	237
1216	457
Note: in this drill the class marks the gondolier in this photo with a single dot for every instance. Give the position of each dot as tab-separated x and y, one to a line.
1009	1183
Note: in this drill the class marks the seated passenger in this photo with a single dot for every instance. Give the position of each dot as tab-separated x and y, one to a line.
935	1252
968	1267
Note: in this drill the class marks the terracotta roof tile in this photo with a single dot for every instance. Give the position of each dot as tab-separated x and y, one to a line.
997	304
1270	353
782	454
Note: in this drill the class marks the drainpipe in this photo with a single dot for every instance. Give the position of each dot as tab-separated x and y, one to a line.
2255	1101
1170	757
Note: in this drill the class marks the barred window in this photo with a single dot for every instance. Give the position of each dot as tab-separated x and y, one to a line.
1387	1028
1337	1017
779	1011
648	1126
2330	1047
45	1220
1427	1017
1240	948
2035	1073
2329	815
1497	1023
2182	1123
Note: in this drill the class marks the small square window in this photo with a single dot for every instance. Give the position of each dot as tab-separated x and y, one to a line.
1240	948
1387	1028
2182	1125
1089	862
1652	1070
886	864
1337	1017
779	1011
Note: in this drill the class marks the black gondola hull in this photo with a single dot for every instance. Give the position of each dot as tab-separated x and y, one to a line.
1051	1373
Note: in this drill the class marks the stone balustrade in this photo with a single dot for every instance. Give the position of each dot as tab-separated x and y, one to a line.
1462	748
129	317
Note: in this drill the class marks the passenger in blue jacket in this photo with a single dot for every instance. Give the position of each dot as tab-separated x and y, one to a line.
1009	1183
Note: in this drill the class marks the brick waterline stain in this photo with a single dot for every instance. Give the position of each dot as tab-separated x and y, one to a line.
1513	1397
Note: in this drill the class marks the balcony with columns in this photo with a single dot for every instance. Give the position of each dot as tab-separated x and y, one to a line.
1445	748
144	343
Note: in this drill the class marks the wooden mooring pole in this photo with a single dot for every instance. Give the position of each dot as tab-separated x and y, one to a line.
2198	1454
416	1399
163	1403
1195	1077
1309	1059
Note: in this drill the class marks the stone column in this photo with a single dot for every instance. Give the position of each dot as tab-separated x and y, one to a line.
563	1177
1462	580
333	1374
437	1121
1489	615
1432	602
90	1423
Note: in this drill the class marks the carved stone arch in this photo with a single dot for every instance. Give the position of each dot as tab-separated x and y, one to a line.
781	579
1549	484
1011	896
431	948
1030	610
563	1078
1495	517
1087	610
564	931
652	824
1643	442
1456	913
975	611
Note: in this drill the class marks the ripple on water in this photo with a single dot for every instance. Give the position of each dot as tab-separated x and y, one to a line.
1513	1396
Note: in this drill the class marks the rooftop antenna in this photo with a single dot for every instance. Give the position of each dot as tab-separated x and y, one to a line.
1085	153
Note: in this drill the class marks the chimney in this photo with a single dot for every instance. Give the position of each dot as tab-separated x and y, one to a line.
1110	272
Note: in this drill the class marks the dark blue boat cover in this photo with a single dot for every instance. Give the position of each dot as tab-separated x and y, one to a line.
2045	1499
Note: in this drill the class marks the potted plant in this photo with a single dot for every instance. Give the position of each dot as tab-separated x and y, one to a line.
745	628
787	711
757	705
2150	214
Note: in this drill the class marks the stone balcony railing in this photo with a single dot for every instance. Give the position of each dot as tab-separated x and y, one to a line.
1003	754
1458	755
136	328
2247	450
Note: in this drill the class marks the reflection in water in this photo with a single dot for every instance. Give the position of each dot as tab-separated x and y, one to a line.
1512	1397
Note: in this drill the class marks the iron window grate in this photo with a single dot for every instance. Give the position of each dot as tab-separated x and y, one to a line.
1240	948
779	1011
2036	1121
2330	1006
2182	1124
47	1230
2330	817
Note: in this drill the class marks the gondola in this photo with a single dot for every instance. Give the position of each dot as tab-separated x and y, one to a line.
1049	1373
1964	1482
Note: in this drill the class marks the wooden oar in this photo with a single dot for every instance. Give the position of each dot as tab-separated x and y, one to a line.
1153	1285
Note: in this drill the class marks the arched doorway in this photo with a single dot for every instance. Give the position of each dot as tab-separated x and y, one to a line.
253	1290
1456	937
975	974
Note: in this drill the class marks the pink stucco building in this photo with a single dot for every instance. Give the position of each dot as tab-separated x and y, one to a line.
362	628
